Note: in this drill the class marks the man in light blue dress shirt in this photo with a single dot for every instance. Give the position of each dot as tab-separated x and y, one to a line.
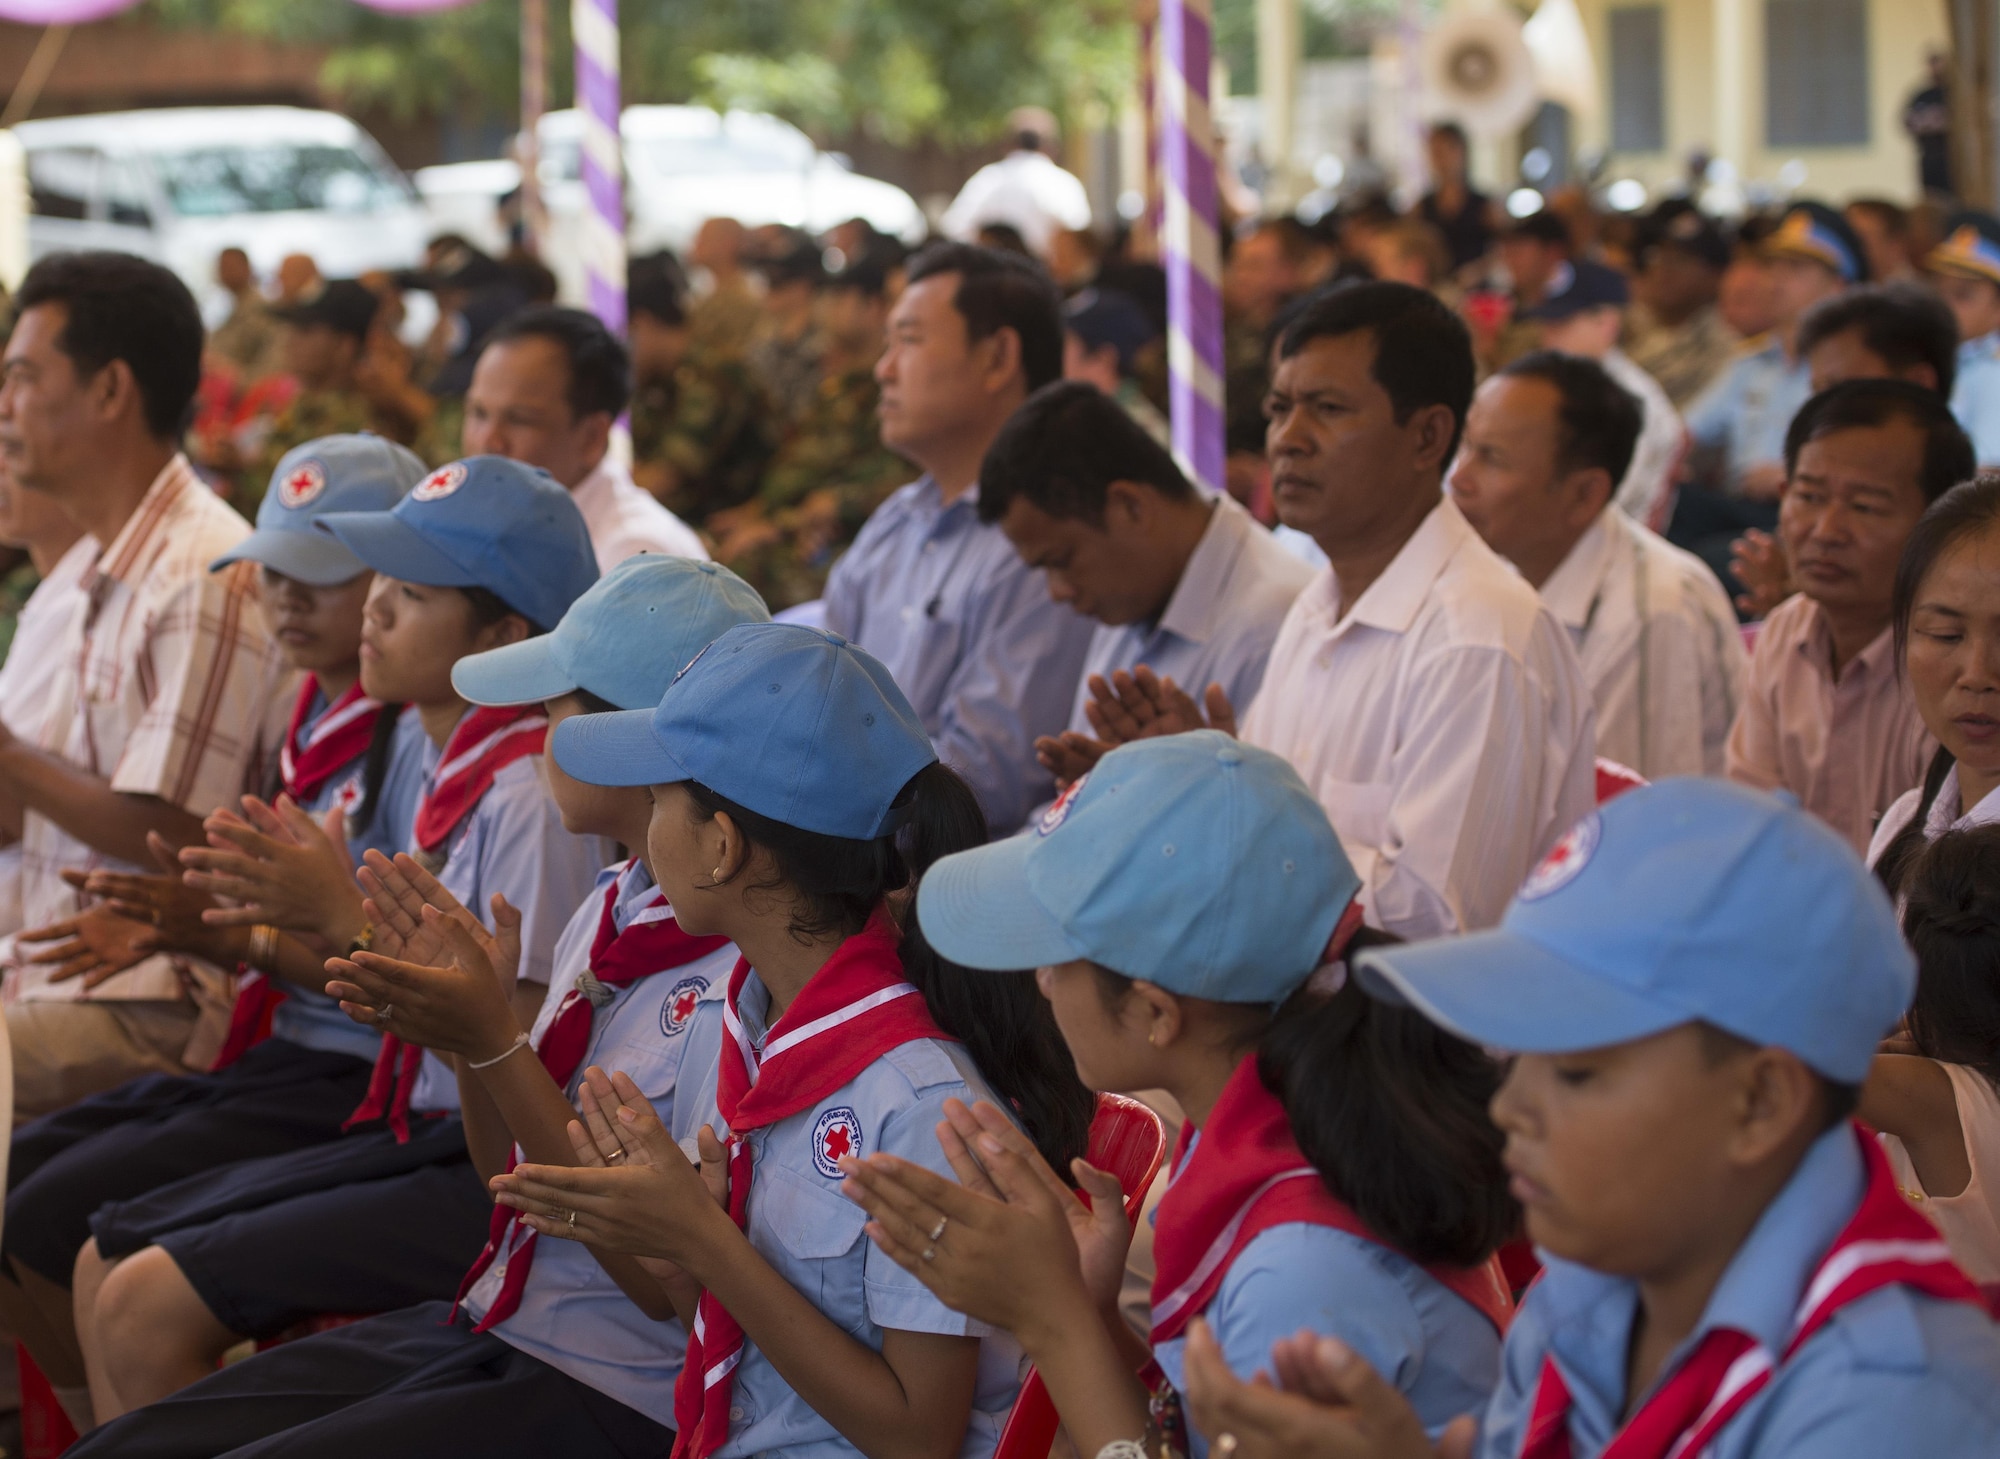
1188	584
987	658
1967	268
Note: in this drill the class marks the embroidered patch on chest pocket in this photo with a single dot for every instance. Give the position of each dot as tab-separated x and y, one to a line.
678	1011
836	1136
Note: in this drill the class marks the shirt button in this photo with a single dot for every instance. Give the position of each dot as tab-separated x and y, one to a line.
736	1414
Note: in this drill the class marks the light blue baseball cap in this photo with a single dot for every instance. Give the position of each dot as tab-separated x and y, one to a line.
624	640
484	522
794	723
1193	861
1681	901
357	473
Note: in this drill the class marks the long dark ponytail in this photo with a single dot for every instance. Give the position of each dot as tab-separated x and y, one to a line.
1391	1110
1001	1018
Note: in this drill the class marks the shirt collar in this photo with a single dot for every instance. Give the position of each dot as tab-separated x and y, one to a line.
1572	589
601	482
1816	645
1195	609
635	889
1760	1288
136	541
1986	347
930	500
1394	599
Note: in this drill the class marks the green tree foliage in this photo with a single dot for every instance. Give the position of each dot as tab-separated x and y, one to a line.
898	69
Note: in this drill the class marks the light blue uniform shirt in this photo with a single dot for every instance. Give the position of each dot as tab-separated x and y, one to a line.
513	843
1745	413
1893	1373
1975	396
572	1316
1437	1348
1219	624
971	636
811	1234
307	1016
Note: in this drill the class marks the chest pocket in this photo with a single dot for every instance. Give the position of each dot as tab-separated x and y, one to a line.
814	1239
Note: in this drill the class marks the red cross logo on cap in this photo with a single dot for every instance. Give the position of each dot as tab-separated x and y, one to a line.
1565	861
440	483
682	1000
836	1137
301	485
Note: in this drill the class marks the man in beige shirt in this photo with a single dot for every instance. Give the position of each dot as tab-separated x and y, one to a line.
169	689
1825	713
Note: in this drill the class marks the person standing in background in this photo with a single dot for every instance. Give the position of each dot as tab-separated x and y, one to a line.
1466	218
1027	190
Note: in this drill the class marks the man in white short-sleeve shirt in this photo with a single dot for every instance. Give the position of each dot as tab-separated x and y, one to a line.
1544	442
547	387
1418	685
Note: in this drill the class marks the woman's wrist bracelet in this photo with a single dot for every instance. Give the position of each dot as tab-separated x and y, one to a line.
520	1042
262	953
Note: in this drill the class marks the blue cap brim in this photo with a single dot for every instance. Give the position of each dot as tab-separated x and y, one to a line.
976	910
518	673
312	558
615	749
1499	989
393	547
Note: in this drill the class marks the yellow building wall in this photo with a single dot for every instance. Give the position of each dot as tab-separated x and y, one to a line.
1703	110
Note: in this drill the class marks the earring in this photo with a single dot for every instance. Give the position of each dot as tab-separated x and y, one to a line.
716	876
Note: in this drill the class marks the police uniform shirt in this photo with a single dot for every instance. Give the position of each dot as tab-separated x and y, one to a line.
970	635
572	1316
1975	396
513	843
1219	623
307	1016
1745	414
811	1234
1892	1373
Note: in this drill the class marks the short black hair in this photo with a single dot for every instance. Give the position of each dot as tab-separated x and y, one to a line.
655	286
1951	916
1000	290
1903	324
600	367
118	307
1600	419
1451	130
1861	404
1423	352
1064	447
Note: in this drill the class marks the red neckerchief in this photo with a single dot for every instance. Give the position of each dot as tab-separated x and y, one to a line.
309	759
341	737
854	1010
1885	1244
1246	1176
483	744
652	942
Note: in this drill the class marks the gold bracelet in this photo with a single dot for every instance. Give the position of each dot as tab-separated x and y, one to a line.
263	954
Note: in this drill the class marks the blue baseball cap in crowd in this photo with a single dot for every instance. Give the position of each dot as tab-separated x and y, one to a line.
624	640
484	522
1682	901
358	473
1193	861
794	723
1578	286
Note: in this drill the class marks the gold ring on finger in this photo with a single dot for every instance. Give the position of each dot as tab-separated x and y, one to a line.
614	1157
937	1231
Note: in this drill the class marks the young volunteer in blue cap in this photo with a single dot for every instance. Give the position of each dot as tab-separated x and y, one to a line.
481	553
794	793
1966	267
1693	984
1336	1174
348	755
548	1351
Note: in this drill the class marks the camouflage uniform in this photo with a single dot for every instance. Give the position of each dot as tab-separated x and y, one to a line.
789	370
709	422
311	414
248	338
18	582
1685	358
442	439
726	321
830	472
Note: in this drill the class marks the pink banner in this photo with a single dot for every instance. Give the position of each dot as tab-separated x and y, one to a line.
77	12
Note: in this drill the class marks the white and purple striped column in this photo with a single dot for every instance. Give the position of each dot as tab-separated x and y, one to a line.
1191	249
594	25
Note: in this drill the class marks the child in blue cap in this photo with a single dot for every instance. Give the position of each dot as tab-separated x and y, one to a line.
1336	1173
346	755
1693	983
555	1349
479	554
794	795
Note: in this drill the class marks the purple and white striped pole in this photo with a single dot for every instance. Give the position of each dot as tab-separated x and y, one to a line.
594	25
1191	249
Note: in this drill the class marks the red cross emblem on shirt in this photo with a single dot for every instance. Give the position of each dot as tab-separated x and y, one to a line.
682	1000
836	1137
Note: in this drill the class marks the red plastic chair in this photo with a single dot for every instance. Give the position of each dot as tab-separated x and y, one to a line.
45	1429
1126	1140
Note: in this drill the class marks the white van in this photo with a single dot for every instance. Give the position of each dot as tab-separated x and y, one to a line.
179	185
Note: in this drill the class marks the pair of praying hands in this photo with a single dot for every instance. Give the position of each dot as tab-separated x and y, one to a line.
1131	706
273	864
